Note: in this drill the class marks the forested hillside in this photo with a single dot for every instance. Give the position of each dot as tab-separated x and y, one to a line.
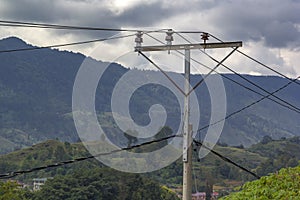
262	159
36	98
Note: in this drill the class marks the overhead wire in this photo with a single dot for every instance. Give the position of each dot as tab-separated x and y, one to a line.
294	108
68	27
174	83
240	110
212	70
197	84
226	159
226	77
163	72
67	44
257	61
244	54
249	105
62	163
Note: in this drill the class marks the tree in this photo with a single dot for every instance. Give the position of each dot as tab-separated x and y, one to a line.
12	190
266	139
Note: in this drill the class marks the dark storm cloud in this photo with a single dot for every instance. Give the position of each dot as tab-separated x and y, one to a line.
84	13
274	21
95	13
88	13
43	11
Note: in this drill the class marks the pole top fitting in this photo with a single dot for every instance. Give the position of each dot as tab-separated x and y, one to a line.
169	37
204	36
138	40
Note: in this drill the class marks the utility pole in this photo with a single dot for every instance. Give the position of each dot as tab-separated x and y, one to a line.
187	132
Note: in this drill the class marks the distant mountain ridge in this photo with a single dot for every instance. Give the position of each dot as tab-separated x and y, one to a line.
36	99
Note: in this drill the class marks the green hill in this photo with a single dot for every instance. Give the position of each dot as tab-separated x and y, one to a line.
48	152
222	175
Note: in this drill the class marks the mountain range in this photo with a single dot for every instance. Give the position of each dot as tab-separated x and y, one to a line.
36	100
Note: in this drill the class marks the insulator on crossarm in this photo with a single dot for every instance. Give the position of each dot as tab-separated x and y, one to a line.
138	40
204	36
169	37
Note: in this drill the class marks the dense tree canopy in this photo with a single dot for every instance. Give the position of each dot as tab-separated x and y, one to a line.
12	190
101	184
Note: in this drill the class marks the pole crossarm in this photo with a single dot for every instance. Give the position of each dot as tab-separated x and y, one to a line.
189	46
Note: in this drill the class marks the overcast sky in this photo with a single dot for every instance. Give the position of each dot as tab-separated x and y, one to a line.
269	29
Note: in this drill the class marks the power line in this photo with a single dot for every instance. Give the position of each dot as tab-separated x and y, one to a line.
226	159
249	105
259	62
213	69
163	72
199	83
58	26
244	108
67	44
68	27
230	79
62	163
294	108
252	90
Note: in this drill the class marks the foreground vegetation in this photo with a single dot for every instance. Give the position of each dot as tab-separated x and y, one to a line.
282	185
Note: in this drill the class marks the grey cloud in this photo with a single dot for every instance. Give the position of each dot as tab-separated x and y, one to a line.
43	11
84	13
281	34
94	13
270	21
